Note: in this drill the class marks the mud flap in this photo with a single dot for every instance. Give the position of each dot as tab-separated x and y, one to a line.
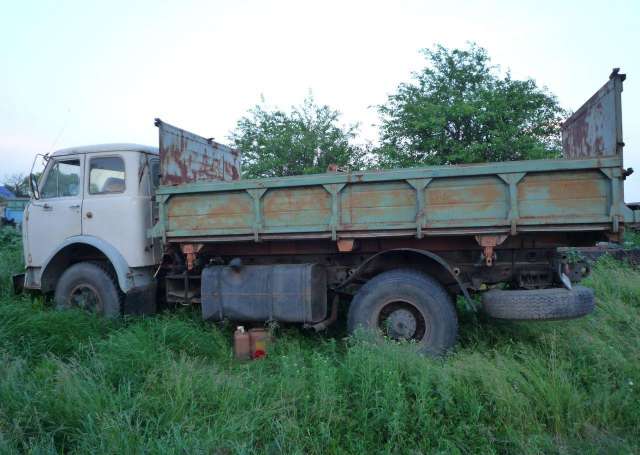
18	283
141	301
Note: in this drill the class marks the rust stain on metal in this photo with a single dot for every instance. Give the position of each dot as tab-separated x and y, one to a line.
187	158
595	129
191	250
381	198
488	243
479	193
569	190
296	199
574	189
232	169
216	205
346	245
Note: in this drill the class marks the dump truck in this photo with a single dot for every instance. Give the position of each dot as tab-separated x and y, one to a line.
125	228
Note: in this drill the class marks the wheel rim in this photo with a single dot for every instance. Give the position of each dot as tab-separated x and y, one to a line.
401	320
85	297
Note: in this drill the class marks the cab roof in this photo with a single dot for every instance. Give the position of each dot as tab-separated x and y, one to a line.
99	148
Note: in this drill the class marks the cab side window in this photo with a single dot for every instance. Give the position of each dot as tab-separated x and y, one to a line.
62	180
106	175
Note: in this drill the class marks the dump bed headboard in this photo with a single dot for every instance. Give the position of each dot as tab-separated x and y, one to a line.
595	130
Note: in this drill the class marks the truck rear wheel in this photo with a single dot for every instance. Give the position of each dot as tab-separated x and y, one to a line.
90	287
405	304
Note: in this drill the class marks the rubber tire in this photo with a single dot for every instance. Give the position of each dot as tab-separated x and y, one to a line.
96	276
425	293
539	304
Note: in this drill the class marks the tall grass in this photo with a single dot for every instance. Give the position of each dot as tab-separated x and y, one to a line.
70	382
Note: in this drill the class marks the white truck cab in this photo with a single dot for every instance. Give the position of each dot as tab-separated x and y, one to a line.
93	205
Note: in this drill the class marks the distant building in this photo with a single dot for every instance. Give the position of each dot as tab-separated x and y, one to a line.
6	194
11	207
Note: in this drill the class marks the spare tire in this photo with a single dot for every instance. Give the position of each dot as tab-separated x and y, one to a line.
539	304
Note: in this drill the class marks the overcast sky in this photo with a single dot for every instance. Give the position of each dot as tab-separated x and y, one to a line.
75	73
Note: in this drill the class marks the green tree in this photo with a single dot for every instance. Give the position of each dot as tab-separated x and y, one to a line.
305	140
460	109
18	184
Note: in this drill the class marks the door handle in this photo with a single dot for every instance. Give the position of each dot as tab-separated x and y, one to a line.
74	206
89	215
44	206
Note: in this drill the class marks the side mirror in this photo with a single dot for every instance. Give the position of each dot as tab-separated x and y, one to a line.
33	177
33	185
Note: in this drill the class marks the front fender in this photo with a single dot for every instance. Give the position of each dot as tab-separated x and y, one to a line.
126	278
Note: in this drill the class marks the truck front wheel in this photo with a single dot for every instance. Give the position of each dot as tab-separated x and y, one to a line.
406	304
90	287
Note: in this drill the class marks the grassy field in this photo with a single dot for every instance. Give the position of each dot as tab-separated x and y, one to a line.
70	382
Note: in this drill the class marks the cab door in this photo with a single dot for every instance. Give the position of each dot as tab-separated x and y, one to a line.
56	216
115	209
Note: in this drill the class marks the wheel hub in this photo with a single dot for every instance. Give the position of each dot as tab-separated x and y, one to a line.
401	320
86	297
401	324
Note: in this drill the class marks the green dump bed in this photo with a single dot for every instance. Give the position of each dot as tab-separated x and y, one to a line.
583	192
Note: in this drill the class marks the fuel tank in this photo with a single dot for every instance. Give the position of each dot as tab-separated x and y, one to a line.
280	292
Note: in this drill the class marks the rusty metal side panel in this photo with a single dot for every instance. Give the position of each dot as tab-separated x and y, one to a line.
229	211
474	202
578	196
364	205
304	206
527	196
595	130
187	158
456	201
